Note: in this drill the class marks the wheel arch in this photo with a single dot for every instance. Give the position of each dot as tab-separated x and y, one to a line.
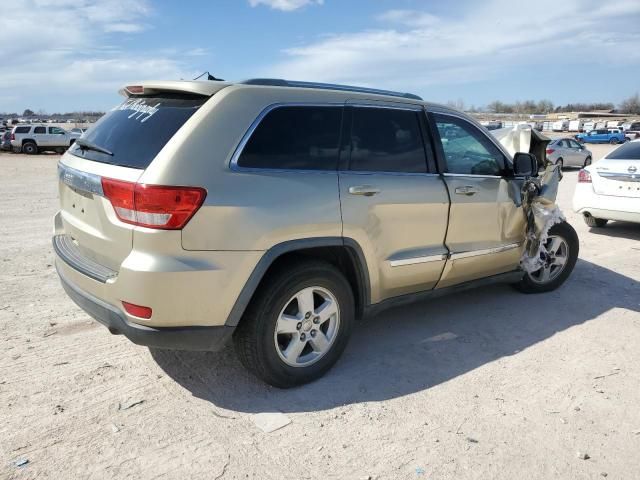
344	253
28	140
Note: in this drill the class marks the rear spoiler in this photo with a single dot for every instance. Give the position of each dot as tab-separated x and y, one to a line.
205	88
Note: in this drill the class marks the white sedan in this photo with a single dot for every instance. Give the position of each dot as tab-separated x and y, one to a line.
610	188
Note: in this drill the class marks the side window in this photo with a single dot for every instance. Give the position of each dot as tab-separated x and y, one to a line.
387	140
40	130
296	137
22	129
466	149
574	144
56	130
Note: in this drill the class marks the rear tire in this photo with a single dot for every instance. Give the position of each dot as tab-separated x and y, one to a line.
30	148
594	222
565	237
560	163
308	344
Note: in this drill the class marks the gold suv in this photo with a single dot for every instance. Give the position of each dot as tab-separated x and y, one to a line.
276	213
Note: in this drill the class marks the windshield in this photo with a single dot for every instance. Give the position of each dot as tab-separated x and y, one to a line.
136	130
628	151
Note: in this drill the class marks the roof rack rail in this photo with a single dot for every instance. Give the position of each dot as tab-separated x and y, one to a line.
278	82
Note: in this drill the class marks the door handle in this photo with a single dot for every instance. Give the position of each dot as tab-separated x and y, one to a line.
366	190
466	190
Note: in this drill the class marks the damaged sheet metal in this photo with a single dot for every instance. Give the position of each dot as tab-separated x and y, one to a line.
542	213
538	193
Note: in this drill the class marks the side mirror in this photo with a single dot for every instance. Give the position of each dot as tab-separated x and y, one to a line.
525	165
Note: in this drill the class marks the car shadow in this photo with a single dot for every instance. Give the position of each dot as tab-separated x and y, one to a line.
626	230
413	348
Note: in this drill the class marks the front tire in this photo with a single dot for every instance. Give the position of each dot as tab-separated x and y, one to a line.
562	248
587	162
613	141
560	163
297	325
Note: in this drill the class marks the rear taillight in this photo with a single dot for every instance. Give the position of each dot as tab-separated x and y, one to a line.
153	206
550	151
13	136
584	176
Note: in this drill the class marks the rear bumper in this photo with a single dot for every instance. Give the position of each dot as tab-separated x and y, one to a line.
609	207
176	338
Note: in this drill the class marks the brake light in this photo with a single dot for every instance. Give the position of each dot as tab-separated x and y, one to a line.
135	89
137	310
13	136
550	151
153	206
584	176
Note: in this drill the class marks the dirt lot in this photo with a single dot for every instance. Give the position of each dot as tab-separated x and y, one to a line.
489	384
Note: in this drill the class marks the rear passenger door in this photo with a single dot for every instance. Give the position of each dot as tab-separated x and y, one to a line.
486	224
40	136
393	203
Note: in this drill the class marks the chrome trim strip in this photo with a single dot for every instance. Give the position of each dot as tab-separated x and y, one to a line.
470	175
416	260
485	251
78	180
623	177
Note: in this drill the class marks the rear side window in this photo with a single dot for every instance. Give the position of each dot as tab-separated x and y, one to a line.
22	129
295	138
40	130
387	140
627	151
136	130
466	149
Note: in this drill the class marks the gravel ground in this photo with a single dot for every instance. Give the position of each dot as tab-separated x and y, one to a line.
487	384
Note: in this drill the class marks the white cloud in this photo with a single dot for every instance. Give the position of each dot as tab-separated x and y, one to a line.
285	5
417	49
54	47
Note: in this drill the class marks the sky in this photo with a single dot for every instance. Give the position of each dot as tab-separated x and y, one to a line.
66	55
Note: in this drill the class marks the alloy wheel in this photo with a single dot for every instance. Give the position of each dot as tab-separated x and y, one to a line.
554	255
307	326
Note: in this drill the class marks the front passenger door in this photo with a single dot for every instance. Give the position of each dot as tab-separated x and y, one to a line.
486	225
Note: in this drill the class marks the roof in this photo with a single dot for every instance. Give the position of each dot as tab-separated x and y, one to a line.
209	87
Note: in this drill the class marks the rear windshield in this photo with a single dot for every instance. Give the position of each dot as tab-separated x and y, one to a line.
628	151
137	129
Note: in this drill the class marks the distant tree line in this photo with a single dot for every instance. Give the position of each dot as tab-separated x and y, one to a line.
629	105
42	114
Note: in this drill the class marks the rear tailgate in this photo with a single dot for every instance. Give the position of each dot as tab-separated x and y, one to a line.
120	147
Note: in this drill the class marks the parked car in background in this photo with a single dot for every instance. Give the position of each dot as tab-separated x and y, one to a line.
5	141
567	152
39	138
602	135
614	124
631	126
78	131
588	126
610	189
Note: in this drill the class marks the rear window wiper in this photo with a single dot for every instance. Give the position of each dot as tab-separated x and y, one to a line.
86	145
